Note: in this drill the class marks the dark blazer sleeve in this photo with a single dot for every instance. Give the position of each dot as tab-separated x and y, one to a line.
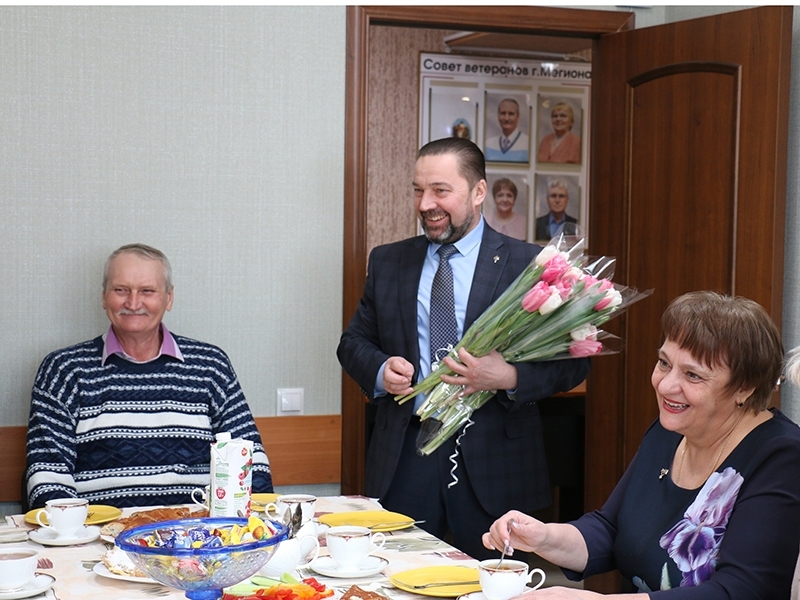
384	323
359	352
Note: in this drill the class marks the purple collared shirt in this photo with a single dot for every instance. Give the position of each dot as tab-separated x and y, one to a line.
112	346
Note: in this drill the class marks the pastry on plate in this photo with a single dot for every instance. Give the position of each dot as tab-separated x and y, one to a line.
118	562
153	515
356	593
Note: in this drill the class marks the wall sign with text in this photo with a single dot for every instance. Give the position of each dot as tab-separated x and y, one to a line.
531	119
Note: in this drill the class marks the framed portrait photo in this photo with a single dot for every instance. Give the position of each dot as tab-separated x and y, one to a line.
507	127
506	207
558	202
453	112
559	123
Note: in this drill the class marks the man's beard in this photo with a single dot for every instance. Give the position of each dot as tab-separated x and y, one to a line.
450	234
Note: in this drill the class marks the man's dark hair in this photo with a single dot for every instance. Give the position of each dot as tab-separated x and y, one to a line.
471	163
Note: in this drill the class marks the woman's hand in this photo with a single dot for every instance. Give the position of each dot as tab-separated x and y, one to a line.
560	543
519	530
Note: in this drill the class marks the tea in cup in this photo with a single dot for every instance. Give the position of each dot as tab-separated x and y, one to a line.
349	545
508	581
290	502
17	568
65	516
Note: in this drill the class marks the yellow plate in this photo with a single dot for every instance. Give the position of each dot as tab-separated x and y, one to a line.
377	520
98	513
405	580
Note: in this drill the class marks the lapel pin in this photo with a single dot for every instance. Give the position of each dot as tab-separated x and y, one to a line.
496	258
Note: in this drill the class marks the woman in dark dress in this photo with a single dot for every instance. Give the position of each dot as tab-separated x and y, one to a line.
710	506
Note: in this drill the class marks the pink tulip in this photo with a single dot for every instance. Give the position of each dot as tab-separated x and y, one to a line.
603	303
610	300
537	296
605	285
555	267
589	281
571	276
582	348
563	290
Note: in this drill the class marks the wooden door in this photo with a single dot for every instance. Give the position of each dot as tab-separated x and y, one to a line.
688	190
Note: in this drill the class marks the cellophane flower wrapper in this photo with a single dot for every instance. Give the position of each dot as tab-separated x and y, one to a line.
553	310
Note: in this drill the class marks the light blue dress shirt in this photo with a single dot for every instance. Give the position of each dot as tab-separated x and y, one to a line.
463	264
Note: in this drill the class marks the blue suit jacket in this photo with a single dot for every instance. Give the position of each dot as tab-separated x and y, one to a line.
503	451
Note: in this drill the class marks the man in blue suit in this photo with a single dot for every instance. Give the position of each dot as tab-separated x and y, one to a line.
500	463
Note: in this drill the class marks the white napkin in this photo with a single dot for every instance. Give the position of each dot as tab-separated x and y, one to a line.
12	533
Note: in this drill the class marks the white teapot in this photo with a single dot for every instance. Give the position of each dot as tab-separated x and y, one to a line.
290	556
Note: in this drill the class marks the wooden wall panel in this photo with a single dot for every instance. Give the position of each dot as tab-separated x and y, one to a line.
392	128
302	450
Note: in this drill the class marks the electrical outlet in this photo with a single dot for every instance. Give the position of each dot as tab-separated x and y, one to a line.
290	401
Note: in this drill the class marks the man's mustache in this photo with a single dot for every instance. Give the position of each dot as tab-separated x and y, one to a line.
141	311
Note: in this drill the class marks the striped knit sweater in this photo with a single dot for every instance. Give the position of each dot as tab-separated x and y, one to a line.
130	434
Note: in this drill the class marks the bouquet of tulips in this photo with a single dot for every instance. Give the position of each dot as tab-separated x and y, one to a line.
551	311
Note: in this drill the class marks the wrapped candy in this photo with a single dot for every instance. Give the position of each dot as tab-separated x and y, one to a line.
203	537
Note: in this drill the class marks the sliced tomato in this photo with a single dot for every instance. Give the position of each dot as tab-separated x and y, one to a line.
312	581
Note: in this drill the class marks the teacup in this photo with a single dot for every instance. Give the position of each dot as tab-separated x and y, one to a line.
65	516
17	567
508	581
200	496
291	554
290	502
349	545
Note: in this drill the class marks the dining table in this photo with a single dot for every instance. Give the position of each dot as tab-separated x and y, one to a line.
405	549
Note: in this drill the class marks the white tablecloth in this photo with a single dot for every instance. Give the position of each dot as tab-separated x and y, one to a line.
404	549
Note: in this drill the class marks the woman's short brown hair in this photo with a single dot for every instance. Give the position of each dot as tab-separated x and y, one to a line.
732	331
504	182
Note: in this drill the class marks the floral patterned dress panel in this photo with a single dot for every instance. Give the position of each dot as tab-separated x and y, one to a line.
693	542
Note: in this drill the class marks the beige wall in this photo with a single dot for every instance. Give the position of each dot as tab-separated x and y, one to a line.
215	134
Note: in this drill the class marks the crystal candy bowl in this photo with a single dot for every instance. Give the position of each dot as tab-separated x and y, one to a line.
201	572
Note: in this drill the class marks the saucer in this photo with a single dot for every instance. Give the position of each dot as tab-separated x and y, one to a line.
371	565
473	596
40	583
48	537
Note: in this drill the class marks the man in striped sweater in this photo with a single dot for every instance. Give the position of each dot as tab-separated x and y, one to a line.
127	418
